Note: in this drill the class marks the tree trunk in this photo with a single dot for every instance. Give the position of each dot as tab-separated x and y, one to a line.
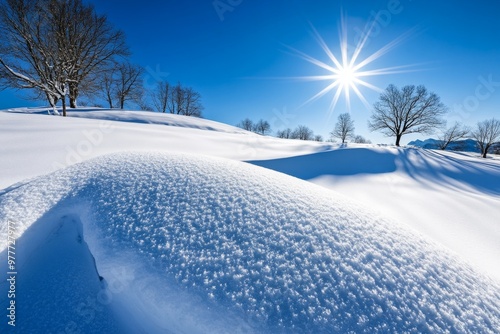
110	100
63	100
73	95
72	102
398	139
484	149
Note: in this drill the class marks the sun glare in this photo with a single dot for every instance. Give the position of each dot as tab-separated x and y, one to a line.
347	75
345	72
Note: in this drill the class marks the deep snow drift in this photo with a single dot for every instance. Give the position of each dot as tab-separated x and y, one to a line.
211	245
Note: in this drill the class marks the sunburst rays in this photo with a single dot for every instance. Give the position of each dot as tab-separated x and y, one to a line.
347	72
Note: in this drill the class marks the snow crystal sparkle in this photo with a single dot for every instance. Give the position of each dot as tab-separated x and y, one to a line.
242	240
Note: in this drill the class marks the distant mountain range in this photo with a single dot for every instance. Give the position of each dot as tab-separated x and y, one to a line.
467	145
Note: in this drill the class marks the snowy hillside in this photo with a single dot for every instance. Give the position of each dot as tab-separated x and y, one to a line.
40	144
136	222
137	117
256	250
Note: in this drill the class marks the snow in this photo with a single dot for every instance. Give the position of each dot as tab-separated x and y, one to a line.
146	117
40	144
452	197
133	222
271	253
55	282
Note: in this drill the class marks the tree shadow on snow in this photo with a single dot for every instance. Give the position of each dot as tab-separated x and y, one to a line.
429	167
437	168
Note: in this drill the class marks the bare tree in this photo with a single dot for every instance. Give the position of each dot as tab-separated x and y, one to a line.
30	57
53	46
177	100
318	138
161	96
302	132
361	140
107	85
246	124
409	110
192	101
128	83
90	42
456	132
262	127
284	134
486	133
176	105
344	128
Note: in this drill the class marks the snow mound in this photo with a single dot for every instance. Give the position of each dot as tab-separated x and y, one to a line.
212	245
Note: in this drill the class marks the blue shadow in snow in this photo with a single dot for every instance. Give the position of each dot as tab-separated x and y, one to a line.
430	167
436	167
344	162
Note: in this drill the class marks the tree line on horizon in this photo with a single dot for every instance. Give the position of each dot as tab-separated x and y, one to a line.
62	50
344	130
411	109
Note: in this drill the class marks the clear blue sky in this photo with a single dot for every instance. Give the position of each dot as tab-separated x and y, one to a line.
238	59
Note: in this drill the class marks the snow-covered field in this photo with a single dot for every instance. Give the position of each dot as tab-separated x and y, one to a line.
131	222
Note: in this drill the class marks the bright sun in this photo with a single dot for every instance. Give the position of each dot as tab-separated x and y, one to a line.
347	76
345	72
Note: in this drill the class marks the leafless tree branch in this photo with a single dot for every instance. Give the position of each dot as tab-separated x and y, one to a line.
409	110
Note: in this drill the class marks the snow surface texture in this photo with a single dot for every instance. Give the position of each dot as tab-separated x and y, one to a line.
454	198
207	245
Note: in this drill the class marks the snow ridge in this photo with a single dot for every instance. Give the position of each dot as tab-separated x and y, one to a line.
285	255
131	116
